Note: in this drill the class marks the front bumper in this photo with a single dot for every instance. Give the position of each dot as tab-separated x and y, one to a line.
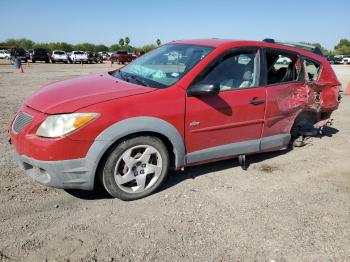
66	174
59	59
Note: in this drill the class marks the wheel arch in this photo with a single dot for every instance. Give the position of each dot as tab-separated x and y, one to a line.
133	127
305	119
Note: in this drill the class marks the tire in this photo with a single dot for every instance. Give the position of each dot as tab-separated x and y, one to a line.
47	61
141	174
33	60
53	61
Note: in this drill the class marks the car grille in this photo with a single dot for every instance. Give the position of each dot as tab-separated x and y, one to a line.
21	121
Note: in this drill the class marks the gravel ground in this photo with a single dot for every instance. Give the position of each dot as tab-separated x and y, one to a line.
289	206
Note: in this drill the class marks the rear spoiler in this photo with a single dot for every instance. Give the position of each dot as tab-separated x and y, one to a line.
313	49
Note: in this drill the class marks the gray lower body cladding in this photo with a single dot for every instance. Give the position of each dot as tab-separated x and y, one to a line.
239	148
67	174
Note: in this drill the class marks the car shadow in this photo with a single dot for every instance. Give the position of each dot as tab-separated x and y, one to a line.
97	194
193	172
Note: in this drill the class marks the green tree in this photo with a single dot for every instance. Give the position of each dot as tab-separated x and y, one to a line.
127	41
324	50
342	48
147	48
100	48
22	42
114	48
85	47
121	42
158	42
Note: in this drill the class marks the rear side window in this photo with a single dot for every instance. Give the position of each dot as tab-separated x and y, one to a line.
312	69
282	67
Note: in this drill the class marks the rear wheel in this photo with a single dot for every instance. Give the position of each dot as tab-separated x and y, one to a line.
135	168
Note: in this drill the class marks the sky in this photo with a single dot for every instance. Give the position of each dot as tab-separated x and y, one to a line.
106	21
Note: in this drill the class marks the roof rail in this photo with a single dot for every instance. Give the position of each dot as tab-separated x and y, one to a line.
311	48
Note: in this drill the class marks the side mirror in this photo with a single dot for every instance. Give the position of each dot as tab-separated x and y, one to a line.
202	89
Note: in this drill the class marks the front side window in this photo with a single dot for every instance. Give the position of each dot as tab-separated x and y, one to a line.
282	67
163	66
234	71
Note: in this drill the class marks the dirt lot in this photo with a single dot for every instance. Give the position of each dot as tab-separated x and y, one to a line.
289	206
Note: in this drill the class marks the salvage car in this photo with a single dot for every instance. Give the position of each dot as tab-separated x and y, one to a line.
346	59
78	57
40	54
4	54
18	53
59	56
122	57
128	127
94	57
334	60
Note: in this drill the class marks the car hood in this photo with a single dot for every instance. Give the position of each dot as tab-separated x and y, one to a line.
72	94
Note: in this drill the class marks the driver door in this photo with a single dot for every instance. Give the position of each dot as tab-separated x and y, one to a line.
229	123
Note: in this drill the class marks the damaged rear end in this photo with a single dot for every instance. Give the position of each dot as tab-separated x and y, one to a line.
323	97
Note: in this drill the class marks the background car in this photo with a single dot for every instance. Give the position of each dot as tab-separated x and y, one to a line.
78	56
94	57
333	59
346	59
122	57
59	56
40	54
104	54
4	54
19	53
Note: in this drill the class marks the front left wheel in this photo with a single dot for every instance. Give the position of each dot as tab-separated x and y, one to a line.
135	168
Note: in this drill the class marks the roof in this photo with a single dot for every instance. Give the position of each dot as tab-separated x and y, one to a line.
217	42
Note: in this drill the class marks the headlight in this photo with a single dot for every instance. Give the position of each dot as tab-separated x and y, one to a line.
59	125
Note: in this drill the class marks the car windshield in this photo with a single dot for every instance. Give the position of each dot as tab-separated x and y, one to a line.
59	53
79	53
40	51
163	66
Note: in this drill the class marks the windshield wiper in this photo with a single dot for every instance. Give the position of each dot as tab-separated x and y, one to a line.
126	77
142	82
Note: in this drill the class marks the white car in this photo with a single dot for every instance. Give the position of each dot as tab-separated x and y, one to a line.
346	60
78	56
4	54
59	56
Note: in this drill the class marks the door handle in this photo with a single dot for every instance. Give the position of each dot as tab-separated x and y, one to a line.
255	101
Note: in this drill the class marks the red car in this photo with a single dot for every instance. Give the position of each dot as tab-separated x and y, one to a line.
122	57
184	103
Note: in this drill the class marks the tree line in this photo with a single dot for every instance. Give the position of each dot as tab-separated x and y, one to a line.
342	48
123	44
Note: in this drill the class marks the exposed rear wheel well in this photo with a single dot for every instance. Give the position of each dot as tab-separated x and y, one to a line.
304	122
163	138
